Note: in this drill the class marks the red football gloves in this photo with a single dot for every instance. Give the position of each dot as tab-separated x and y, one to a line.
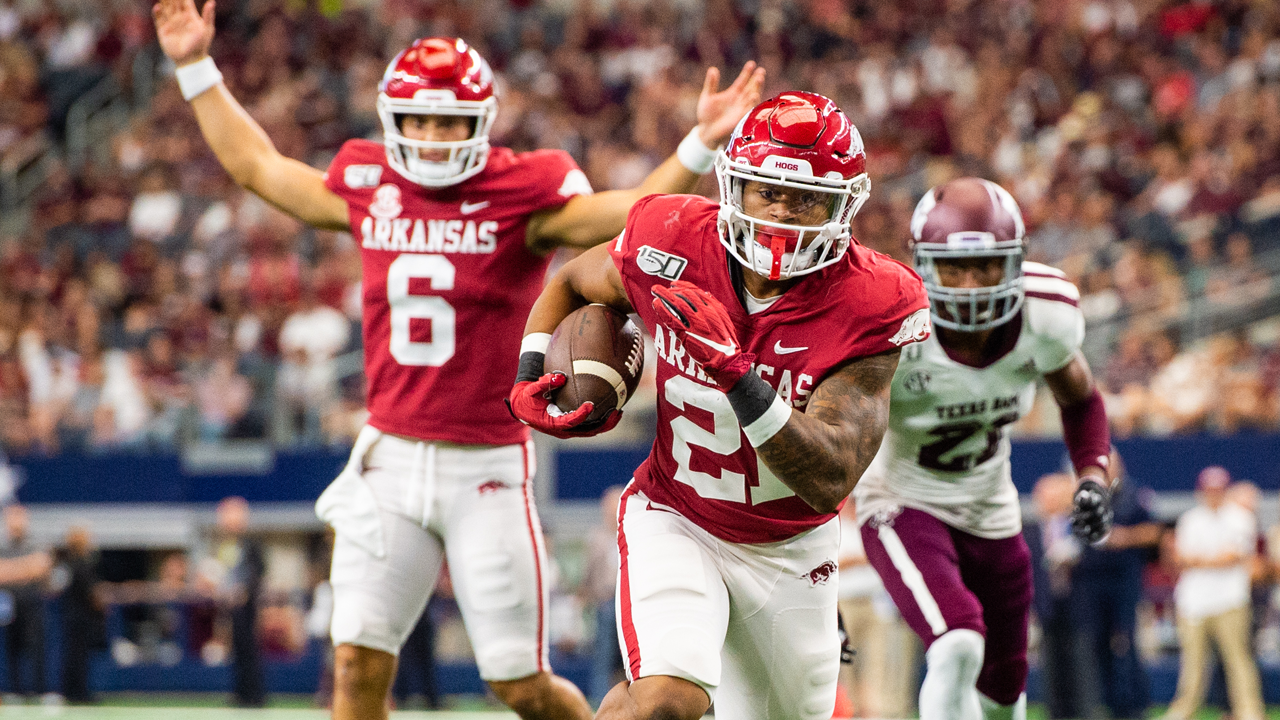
530	403
704	327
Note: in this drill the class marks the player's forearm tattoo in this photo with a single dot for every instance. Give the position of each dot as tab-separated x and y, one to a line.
821	453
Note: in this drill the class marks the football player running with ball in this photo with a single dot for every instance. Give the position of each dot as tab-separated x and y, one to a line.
777	336
938	510
454	238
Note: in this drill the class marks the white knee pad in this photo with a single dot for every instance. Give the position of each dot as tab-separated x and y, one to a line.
949	690
992	710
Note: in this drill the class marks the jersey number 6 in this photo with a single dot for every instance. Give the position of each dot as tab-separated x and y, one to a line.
406	308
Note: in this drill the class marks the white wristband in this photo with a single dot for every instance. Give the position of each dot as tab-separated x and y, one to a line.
197	77
535	342
768	424
694	155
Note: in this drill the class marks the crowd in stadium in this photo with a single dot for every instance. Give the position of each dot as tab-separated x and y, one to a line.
148	301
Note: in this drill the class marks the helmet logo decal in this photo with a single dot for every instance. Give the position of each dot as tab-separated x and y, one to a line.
971	240
435	95
793	165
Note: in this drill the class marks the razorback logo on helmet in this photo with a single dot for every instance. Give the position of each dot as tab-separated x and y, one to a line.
821	574
914	329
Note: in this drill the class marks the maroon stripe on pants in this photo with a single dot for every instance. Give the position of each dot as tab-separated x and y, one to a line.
978	583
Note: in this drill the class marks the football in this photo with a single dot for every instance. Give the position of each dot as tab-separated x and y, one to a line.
601	353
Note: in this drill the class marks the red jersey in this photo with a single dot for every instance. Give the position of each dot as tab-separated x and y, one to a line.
701	464
447	286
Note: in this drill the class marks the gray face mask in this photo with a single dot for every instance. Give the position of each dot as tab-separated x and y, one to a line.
971	309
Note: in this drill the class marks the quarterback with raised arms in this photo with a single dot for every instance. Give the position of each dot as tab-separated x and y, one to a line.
938	510
454	237
777	335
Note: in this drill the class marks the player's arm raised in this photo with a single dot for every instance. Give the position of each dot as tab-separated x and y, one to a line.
589	278
588	220
821	453
1088	440
239	143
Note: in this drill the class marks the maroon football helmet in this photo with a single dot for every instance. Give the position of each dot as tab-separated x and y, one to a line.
797	140
437	76
966	218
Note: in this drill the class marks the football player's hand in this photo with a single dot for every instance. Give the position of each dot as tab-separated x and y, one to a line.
184	34
530	403
705	330
720	110
1091	512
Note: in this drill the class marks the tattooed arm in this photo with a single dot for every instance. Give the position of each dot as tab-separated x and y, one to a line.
821	453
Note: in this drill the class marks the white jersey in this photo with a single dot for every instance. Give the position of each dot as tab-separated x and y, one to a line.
946	451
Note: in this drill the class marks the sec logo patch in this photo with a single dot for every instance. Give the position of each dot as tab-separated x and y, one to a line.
917	381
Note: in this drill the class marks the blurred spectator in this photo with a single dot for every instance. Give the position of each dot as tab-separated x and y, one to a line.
25	640
237	569
1106	590
599	593
1246	495
1054	554
222	398
1216	542
318	619
309	340
1141	139
83	625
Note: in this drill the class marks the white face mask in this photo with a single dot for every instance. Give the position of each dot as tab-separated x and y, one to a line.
761	256
438	170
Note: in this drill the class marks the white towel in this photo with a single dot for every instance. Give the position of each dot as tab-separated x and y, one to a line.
348	504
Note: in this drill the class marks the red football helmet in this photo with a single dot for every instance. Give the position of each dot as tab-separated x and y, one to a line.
437	76
796	140
969	218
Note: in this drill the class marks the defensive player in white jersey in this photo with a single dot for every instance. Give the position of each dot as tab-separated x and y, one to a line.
454	241
938	509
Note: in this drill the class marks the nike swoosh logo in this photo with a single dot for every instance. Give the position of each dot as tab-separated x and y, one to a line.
468	208
729	349
777	347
